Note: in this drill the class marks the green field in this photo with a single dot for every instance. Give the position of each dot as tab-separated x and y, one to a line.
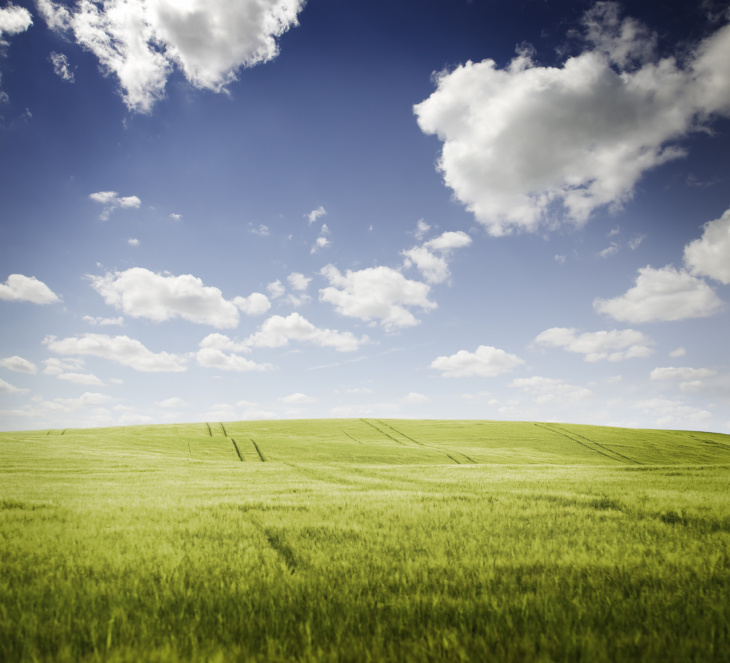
364	540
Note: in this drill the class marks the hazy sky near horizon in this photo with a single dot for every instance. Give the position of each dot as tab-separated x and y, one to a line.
222	210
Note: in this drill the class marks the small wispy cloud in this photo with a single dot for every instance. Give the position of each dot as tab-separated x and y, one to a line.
19	365
609	250
103	322
112	200
61	67
320	243
262	231
275	289
634	242
315	214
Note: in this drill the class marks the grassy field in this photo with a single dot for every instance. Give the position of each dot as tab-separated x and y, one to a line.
364	540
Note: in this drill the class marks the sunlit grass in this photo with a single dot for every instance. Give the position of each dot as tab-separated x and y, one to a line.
346	540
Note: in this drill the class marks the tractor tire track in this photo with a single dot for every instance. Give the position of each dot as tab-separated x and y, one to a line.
318	475
278	544
572	439
350	436
719	445
235	446
258	451
395	430
210	432
428	446
598	444
223	428
390	437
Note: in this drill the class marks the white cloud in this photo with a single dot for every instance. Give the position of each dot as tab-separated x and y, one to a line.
141	41
120	349
681	373
98	321
297	301
112	200
635	241
435	268
486	362
19	288
529	146
221	352
87	399
448	241
672	413
276	289
176	217
88	379
612	345
376	293
211	357
610	250
277	331
13	21
415	397
547	390
662	294
19	365
678	352
133	241
298	281
172	403
262	230
7	388
55	366
319	243
422	229
316	214
61	67
223	342
297	398
144	294
255	304
710	255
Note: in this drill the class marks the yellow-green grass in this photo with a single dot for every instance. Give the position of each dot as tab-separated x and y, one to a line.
355	540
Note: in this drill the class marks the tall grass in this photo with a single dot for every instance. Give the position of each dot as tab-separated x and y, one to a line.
156	544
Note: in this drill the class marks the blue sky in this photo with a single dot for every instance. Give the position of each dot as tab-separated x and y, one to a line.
431	209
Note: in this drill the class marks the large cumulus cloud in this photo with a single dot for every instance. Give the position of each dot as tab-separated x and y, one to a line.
527	146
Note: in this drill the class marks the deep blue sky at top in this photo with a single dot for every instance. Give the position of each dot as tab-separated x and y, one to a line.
330	122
